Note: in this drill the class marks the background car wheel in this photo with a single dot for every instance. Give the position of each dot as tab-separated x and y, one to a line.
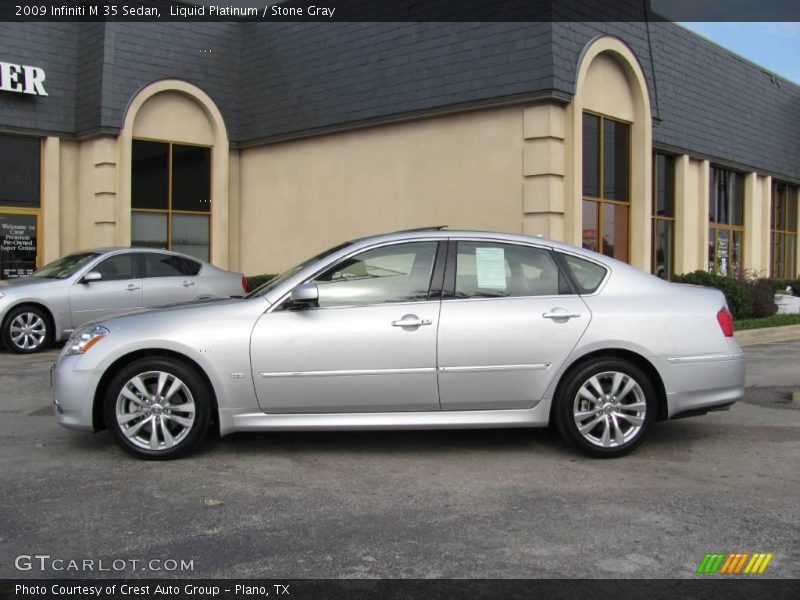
26	330
605	407
157	408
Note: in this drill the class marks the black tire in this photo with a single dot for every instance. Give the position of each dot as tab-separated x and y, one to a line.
609	412
168	414
26	330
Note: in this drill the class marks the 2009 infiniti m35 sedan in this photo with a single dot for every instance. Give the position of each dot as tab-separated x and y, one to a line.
418	329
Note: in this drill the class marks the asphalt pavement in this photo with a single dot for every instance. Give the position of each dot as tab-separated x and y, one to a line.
495	503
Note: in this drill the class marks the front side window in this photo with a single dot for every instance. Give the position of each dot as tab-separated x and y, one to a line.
726	222
783	230
606	186
396	273
119	266
663	216
171	197
491	270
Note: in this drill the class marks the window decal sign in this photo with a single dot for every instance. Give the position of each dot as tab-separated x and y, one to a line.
17	245
22	79
491	266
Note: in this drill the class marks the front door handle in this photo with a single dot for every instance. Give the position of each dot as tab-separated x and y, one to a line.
132	288
411	321
187	284
560	313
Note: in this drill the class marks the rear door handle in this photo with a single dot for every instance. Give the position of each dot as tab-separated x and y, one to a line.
560	314
411	321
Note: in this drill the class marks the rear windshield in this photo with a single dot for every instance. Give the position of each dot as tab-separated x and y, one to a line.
66	266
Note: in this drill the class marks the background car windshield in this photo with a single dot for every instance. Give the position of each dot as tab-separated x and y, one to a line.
276	281
65	266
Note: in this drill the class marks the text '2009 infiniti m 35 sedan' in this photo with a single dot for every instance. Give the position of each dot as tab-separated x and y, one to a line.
411	330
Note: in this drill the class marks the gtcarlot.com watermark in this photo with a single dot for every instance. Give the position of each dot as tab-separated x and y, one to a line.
48	563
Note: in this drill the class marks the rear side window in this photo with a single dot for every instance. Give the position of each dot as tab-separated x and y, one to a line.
169	265
587	274
492	270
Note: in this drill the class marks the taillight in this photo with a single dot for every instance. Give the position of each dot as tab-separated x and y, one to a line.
245	287
725	321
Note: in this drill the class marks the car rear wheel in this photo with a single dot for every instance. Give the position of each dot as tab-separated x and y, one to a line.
26	330
605	407
157	408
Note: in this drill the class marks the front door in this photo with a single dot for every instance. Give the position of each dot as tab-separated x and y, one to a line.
510	324
119	290
370	345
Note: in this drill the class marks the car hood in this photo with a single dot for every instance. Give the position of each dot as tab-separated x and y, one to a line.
26	283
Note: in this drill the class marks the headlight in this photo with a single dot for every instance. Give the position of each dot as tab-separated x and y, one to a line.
83	339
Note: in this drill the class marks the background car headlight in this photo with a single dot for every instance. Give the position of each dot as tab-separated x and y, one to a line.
84	339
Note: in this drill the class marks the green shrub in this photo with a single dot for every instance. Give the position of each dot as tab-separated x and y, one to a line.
253	281
763	293
749	296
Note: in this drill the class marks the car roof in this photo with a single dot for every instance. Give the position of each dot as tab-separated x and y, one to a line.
113	249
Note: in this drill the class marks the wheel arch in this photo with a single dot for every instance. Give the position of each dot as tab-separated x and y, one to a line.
623	354
98	420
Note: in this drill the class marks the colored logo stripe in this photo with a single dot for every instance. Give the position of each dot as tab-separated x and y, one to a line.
733	562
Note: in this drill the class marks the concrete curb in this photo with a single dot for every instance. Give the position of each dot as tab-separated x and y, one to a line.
768	335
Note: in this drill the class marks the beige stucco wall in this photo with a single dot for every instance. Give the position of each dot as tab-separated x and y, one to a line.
300	197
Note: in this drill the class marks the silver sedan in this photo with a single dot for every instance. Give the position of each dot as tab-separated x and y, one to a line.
412	330
95	284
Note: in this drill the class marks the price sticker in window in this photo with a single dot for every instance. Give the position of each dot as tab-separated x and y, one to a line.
490	264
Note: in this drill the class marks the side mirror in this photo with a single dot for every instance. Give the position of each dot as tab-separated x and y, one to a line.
305	294
92	276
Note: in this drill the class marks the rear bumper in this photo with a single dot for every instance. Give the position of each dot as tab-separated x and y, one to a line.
698	384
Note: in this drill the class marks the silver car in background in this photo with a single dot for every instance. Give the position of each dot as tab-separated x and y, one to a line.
95	284
419	329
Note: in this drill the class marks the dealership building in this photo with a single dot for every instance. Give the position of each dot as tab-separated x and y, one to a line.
257	144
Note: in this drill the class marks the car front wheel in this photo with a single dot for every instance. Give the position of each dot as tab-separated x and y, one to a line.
605	407
157	408
26	330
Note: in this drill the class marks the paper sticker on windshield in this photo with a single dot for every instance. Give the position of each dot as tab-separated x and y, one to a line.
491	266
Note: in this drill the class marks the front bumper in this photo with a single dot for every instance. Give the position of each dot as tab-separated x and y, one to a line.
698	384
73	394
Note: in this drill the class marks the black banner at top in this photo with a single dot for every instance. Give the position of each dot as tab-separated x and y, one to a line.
397	10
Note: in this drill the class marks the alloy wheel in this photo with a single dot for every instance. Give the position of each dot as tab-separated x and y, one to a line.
609	409
28	331
155	410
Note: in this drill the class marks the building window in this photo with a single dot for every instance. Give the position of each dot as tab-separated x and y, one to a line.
726	222
171	197
20	198
663	258
606	185
783	228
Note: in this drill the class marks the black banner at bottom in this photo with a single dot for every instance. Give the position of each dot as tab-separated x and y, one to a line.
407	589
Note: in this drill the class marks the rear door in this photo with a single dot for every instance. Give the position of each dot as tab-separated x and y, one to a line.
508	321
119	290
168	278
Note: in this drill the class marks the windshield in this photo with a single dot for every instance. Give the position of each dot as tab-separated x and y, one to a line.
276	281
65	266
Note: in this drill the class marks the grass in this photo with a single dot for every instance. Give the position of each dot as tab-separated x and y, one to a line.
773	321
